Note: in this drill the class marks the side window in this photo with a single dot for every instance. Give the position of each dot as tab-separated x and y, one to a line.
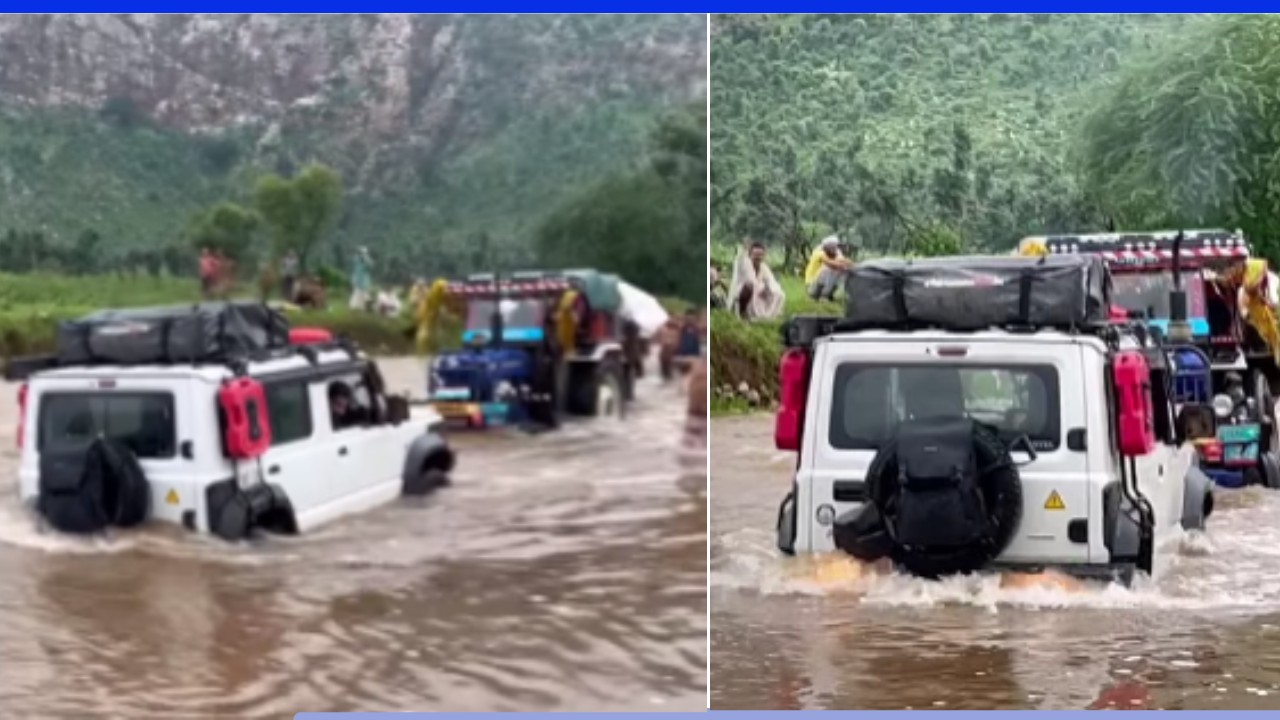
289	411
349	402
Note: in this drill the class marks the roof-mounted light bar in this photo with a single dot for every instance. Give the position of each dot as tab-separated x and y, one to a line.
1148	248
514	287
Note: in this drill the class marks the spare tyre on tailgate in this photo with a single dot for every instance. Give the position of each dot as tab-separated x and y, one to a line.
944	498
84	491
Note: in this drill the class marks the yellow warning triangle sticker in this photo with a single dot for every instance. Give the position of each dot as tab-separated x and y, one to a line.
1054	502
172	497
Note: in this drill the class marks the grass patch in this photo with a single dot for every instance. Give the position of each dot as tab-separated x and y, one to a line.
748	352
31	306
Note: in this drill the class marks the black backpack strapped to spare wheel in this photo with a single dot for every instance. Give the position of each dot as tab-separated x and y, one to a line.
84	491
972	293
944	498
207	332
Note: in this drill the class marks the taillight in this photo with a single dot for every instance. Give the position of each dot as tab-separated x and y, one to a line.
22	413
791	379
1211	451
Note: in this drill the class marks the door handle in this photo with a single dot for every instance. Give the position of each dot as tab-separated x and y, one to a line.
342	451
273	470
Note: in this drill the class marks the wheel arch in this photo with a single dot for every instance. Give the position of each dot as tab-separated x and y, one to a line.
428	450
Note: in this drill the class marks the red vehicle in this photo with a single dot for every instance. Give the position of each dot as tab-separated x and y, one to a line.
1232	328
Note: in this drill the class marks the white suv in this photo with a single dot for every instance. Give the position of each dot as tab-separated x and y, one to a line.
316	468
954	450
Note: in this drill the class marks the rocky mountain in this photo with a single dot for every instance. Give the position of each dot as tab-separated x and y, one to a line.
441	125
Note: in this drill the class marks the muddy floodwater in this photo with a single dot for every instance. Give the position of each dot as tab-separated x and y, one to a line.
561	571
826	632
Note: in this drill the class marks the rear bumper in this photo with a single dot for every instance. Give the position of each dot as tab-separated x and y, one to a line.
1223	477
472	414
1121	573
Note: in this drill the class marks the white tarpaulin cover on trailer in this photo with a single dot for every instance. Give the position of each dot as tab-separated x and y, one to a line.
641	308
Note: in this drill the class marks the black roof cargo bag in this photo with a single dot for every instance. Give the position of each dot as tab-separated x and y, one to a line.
208	332
971	293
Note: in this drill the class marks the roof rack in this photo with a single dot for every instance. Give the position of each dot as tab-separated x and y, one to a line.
18	369
802	331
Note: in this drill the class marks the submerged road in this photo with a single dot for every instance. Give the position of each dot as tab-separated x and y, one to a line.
562	571
827	632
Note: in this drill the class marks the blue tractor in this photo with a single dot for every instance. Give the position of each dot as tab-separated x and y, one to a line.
536	346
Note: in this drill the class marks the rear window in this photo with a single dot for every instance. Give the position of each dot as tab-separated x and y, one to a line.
871	400
142	421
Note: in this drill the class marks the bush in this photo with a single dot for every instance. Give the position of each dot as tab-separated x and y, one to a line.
123	112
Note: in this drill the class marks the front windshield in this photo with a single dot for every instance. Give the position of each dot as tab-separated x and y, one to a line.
525	313
1149	293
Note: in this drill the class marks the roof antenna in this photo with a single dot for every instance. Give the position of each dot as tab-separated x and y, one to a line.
1179	329
496	328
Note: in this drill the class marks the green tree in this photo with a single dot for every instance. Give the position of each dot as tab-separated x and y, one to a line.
299	211
228	228
648	226
881	126
1191	135
86	253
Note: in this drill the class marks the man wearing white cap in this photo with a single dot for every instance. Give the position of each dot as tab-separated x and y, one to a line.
826	269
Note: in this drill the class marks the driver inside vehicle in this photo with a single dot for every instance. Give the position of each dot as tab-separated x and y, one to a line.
343	409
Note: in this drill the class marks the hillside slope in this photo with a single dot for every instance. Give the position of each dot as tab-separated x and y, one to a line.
894	126
442	126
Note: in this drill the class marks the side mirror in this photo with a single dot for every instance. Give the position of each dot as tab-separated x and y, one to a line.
1196	422
1023	443
397	409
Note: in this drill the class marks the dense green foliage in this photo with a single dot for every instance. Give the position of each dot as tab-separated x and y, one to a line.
226	228
299	210
549	108
648	225
1190	135
905	130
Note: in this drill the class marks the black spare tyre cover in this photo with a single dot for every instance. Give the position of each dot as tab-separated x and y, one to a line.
946	494
129	485
71	496
84	491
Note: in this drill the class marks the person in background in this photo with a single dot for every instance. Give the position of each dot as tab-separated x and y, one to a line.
208	272
288	274
826	270
224	274
668	337
690	342
360	279
754	292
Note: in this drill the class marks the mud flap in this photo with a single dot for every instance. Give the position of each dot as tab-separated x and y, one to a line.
1122	533
235	512
863	534
787	524
1197	499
